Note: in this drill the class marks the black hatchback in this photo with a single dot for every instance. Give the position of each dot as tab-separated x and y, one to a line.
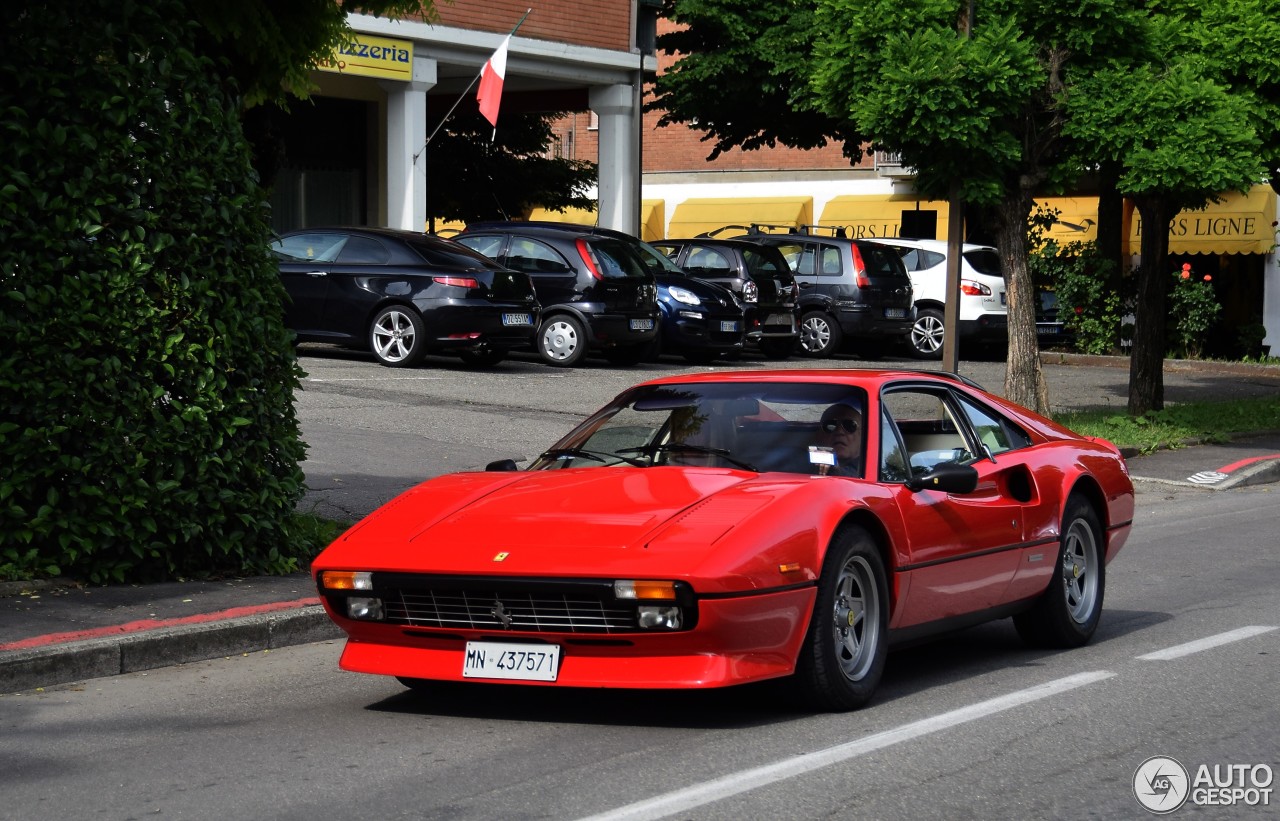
401	294
758	275
595	290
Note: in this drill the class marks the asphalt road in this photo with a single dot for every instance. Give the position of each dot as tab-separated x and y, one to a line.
972	726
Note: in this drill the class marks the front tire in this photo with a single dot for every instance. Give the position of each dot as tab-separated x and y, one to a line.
844	650
820	335
1067	613
927	334
562	341
397	337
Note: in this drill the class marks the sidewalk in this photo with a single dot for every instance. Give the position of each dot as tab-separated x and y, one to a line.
52	634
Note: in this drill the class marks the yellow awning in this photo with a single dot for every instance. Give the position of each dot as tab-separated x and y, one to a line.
880	215
698	216
1240	224
577	216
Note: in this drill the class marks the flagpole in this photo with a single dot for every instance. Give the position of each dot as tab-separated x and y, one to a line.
465	92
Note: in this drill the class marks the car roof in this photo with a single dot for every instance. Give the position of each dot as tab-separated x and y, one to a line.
539	226
866	377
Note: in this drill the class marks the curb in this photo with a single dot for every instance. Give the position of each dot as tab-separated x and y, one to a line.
162	647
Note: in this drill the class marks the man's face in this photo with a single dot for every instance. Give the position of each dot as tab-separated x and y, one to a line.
842	432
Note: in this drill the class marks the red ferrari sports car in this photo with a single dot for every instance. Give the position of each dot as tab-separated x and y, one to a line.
715	529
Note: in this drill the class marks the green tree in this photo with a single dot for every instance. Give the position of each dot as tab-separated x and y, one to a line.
742	77
976	107
147	426
473	174
1183	122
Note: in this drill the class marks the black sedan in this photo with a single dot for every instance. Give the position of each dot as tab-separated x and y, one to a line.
402	294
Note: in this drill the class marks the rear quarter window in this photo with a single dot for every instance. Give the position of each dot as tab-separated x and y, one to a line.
984	261
882	261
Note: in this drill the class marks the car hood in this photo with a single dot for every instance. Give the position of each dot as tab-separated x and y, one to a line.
590	521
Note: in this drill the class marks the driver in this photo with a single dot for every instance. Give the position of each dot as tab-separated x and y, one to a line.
838	446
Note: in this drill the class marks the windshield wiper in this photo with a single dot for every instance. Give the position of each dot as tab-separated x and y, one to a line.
680	447
596	456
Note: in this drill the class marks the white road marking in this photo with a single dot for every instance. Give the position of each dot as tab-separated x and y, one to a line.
1190	647
699	794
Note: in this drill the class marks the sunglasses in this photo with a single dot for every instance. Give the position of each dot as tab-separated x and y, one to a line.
847	425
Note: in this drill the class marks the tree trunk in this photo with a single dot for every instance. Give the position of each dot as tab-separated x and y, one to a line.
1146	362
1024	378
1111	222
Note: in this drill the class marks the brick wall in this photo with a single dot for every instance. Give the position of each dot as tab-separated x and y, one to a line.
677	148
597	23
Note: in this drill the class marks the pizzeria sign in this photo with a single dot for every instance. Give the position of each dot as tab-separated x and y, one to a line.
367	56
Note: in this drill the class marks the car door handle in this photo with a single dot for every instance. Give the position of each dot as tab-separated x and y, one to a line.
316	273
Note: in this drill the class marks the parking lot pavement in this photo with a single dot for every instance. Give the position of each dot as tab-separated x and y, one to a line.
53	634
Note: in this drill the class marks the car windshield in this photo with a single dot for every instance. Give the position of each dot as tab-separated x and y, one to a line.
656	261
750	426
766	262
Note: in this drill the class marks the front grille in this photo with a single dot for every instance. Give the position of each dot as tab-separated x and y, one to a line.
537	612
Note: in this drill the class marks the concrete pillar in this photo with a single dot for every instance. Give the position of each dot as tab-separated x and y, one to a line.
406	184
619	157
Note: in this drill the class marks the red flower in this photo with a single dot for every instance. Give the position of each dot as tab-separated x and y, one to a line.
1208	278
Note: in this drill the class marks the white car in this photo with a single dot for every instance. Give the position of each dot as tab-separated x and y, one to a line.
983	307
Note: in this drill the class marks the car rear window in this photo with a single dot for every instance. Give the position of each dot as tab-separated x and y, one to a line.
451	255
766	263
617	260
984	261
881	260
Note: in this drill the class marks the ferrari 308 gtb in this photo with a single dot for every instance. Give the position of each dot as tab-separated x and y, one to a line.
715	529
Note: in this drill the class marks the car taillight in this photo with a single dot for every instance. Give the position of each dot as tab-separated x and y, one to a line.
588	259
750	292
859	269
970	288
457	282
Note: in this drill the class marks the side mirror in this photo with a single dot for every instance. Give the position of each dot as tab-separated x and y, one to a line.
502	464
947	477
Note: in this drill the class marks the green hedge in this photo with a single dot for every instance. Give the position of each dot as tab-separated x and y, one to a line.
147	427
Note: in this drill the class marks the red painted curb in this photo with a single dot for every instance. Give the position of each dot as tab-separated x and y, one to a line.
154	624
1246	462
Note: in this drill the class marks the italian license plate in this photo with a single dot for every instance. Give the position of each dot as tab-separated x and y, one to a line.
642	324
519	662
895	313
517	319
729	327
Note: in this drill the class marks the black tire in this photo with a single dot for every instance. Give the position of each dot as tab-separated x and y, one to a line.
927	334
482	357
842	658
562	341
397	337
820	335
1067	613
778	347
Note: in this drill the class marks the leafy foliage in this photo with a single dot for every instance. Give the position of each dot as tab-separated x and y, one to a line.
1193	309
1088	305
475	172
742	77
147	381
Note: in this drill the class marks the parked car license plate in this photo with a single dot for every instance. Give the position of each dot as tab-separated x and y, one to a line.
517	319
781	319
522	662
730	326
641	324
895	313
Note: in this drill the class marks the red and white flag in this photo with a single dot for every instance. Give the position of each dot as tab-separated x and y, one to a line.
490	94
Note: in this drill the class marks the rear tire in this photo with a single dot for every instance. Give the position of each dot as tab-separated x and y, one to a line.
397	337
820	335
562	341
843	655
1067	613
927	334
